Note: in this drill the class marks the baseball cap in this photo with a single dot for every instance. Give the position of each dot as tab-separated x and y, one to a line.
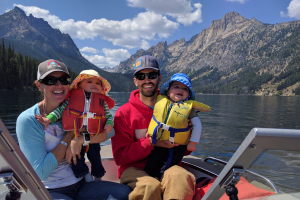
145	62
49	66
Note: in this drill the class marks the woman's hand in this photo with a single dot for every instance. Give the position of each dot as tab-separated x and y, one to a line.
61	150
74	149
69	155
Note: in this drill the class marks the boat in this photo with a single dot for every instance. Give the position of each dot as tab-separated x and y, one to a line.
216	179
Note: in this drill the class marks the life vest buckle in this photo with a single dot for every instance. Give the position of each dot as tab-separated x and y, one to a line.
90	115
164	126
172	140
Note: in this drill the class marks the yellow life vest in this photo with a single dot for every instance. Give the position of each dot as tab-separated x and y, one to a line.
172	119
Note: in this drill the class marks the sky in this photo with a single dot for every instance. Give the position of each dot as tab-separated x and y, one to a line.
109	31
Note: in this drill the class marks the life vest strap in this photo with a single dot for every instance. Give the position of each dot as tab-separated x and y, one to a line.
163	126
88	115
172	140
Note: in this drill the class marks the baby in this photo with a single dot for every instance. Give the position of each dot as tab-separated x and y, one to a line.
174	111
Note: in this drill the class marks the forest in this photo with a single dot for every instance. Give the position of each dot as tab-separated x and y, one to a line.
16	70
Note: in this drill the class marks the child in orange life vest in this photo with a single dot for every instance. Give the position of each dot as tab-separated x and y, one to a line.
86	112
175	109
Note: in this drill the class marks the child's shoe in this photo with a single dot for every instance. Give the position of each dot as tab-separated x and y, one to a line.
88	178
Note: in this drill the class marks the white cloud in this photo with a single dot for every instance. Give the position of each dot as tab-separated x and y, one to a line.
40	13
238	1
158	21
128	33
88	50
189	18
293	10
182	10
110	57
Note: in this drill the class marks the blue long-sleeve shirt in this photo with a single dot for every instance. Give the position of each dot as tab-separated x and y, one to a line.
31	138
37	143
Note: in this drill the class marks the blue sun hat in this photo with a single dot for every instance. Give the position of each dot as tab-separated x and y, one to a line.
182	78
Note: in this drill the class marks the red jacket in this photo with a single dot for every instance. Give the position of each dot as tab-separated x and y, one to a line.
130	146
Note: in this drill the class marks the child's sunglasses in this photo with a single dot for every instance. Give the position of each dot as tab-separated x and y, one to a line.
151	75
51	80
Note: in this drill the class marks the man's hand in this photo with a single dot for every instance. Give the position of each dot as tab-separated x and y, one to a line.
162	143
165	144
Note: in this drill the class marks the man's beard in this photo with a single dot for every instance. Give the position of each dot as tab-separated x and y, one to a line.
149	93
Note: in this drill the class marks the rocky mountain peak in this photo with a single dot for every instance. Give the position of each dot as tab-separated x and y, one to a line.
17	12
230	23
16	15
35	37
236	55
233	16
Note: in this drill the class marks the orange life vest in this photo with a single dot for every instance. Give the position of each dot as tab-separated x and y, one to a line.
74	115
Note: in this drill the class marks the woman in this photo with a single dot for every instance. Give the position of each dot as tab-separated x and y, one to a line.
46	149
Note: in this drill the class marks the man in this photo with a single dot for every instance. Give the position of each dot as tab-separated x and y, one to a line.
131	146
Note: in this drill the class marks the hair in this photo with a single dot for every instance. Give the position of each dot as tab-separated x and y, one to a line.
35	83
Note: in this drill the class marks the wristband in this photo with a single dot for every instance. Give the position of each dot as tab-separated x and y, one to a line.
63	143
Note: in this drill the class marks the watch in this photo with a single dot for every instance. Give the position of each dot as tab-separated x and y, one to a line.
86	139
63	143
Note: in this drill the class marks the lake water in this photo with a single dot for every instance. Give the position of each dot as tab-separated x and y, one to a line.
224	128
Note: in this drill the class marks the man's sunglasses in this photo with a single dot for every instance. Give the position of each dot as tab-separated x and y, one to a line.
151	75
51	80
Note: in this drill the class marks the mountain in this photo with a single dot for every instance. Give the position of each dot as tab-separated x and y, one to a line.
36	38
234	55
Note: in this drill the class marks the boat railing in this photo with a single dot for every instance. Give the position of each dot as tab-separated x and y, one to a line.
257	141
265	179
16	172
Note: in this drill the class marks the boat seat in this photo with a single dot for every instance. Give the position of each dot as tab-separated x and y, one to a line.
208	168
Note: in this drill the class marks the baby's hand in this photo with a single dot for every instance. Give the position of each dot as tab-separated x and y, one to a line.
192	146
43	120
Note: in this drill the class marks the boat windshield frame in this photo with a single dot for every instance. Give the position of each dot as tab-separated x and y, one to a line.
257	141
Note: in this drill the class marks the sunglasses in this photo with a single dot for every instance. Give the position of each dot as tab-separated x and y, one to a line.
51	80
151	75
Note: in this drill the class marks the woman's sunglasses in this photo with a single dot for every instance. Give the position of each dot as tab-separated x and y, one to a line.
151	75
51	80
